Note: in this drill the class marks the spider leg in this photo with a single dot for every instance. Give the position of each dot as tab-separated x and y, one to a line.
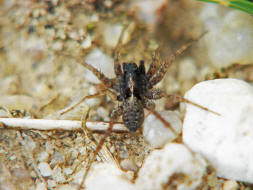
157	94
150	105
114	116
83	124
154	94
117	112
156	61
105	80
117	66
175	98
101	93
166	123
159	74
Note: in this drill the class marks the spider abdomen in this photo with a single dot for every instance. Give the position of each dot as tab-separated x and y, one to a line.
133	114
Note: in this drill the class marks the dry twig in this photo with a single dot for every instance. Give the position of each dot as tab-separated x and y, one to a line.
68	125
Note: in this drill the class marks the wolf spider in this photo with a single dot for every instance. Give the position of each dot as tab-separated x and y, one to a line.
133	87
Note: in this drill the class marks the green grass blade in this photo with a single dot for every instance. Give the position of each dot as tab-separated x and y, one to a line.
242	5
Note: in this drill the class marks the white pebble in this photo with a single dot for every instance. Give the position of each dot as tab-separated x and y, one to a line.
57	46
68	171
230	35
87	42
49	147
225	140
45	169
111	34
230	185
12	157
108	176
33	44
66	187
100	61
51	183
43	157
21	174
74	35
156	133
29	143
128	33
58	175
174	165
57	158
78	177
41	186
94	18
147	10
128	165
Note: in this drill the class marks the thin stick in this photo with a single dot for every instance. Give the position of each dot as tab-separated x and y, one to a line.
68	125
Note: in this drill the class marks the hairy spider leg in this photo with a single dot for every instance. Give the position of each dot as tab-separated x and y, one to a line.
155	94
150	106
101	93
166	123
105	80
115	115
116	53
117	66
176	98
159	74
156	62
83	123
99	146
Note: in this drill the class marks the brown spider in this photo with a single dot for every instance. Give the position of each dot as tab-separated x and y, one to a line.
133	87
